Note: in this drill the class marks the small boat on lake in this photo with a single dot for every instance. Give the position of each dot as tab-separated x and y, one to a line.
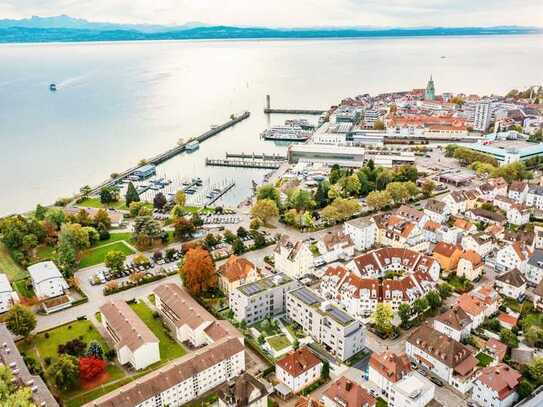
53	87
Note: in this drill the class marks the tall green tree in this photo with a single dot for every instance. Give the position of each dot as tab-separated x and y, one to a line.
321	194
131	194
10	394
159	201
115	260
382	317
20	320
404	312
268	191
64	372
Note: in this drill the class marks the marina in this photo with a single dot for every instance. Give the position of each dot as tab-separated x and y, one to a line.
253	156
260	164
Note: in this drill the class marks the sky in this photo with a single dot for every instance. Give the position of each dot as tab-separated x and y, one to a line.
289	13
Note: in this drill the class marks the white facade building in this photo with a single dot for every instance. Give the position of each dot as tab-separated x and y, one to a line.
334	329
511	284
362	232
293	258
511	256
496	386
298	369
47	280
454	323
261	299
534	267
8	296
483	116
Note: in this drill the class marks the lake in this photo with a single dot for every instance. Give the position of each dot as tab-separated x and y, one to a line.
117	103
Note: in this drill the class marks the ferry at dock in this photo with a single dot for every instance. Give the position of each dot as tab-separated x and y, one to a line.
286	133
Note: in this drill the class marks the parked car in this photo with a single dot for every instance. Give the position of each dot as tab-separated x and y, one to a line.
436	381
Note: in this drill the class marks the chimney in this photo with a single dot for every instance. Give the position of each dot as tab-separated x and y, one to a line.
348	385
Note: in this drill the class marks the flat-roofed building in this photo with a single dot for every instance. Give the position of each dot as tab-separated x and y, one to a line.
328	154
13	360
337	331
262	298
133	341
8	296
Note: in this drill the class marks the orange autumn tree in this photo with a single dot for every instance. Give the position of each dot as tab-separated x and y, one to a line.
198	271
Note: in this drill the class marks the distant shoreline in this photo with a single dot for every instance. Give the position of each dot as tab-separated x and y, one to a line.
21	35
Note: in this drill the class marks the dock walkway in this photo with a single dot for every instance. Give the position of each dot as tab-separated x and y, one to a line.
272	165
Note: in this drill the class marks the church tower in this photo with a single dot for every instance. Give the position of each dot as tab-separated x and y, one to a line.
430	93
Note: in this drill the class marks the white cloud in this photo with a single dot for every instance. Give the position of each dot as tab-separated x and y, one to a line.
289	12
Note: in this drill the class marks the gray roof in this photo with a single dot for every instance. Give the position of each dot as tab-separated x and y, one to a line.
10	356
537	259
43	271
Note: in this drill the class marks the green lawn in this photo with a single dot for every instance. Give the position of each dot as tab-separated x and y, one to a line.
531	320
95	203
97	255
23	288
47	347
8	265
381	402
169	348
115	237
278	342
484	359
45	253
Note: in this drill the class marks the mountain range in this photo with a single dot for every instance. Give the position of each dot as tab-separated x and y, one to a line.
68	29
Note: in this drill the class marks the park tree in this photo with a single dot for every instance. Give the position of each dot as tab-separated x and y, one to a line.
12	395
159	201
64	372
525	388
115	260
67	258
351	185
107	195
90	368
404	312
382	318
268	191
136	277
238	246
406	173
445	290
56	217
325	370
535	370
292	217
340	210
335	191
242	232
321	194
335	174
265	210
378	199
102	219
398	192
428	187
301	200
181	198
138	208
146	231
420	305
75	235
534	336
39	212
20	320
197	220
434	299
384	177
183	228
131	194
83	218
509	338
198	271
85	191
259	239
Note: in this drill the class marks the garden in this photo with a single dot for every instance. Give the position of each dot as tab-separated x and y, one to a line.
278	342
484	359
74	358
460	284
97	254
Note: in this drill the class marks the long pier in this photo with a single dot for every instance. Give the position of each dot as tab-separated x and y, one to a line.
172	152
295	111
271	165
224	190
253	156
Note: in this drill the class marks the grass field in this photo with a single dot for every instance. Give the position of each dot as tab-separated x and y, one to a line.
95	203
97	255
47	347
115	237
278	342
23	288
45	253
266	328
8	265
169	349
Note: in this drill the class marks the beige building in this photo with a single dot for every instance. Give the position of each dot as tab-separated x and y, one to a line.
235	272
470	265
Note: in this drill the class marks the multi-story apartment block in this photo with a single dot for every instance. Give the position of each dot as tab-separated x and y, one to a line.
8	296
293	258
188	320
334	246
454	323
534	267
512	256
235	272
22	378
496	386
396	231
262	298
334	329
298	369
445	357
534	196
437	211
480	243
518	190
400	386
470	265
363	233
483	116
518	214
133	341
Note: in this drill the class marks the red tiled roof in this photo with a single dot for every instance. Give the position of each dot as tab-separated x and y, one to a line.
390	365
350	393
298	361
501	378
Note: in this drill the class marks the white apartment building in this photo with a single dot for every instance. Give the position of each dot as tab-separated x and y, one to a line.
47	280
298	369
534	267
454	323
293	258
8	296
483	116
518	214
334	329
133	341
261	299
496	386
512	284
480	243
518	190
182	380
334	246
448	359
511	256
534	197
363	233
400	386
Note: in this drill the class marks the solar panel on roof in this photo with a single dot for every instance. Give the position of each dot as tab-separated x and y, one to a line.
339	315
307	296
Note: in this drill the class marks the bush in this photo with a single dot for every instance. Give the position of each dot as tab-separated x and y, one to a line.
75	347
110	354
46	335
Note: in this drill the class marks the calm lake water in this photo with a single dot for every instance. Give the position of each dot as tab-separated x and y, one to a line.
119	102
